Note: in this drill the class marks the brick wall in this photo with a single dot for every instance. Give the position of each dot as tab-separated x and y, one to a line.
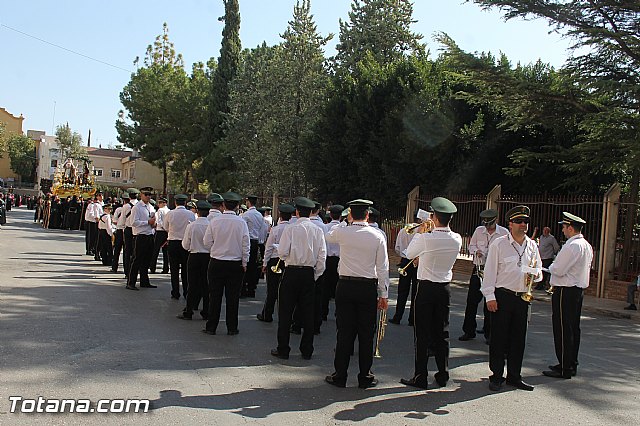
616	290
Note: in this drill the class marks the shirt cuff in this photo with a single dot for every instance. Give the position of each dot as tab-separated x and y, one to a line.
490	297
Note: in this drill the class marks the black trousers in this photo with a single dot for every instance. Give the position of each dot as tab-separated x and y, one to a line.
93	237
329	283
431	328
508	335
406	284
178	257
356	309
159	241
142	249
89	236
197	267
225	277
252	276
474	296
273	282
545	275
128	249
106	248
118	244
566	305
296	291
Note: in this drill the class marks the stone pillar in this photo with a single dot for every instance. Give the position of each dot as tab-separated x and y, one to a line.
493	196
606	260
412	204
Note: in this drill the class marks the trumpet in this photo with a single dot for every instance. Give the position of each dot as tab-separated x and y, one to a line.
411	227
550	290
382	324
528	281
428	226
403	271
276	269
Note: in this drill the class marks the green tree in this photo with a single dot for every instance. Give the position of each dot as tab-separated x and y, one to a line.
70	143
382	27
22	154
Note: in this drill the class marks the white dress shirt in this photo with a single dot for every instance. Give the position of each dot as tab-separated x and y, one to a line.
193	240
88	213
127	213
97	210
316	220
481	240
402	242
303	244
572	264
116	218
255	222
227	238
363	253
271	247
105	223
176	221
213	213
141	213
375	226
333	249
160	215
438	251
502	269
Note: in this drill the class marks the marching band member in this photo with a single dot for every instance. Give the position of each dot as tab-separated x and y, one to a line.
330	279
118	243
127	217
175	222
362	290
437	252
256	224
409	282
160	238
142	224
216	205
509	262
481	239
569	277
105	234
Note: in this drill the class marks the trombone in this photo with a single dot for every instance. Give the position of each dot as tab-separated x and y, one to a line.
403	271
276	269
382	324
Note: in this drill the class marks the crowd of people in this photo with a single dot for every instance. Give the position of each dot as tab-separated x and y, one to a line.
214	250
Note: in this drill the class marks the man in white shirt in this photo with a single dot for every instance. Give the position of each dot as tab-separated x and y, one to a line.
330	278
126	220
118	242
88	228
105	234
256	224
96	214
227	239
143	221
362	290
570	273
216	205
437	251
175	222
197	264
160	238
406	283
481	239
271	259
513	261
303	250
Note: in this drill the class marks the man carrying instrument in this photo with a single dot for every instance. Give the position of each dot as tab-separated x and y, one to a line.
513	264
481	239
437	252
362	289
569	277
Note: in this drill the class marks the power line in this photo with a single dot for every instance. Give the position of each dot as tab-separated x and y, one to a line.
64	48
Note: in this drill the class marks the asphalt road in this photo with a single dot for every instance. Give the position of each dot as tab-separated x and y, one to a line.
69	329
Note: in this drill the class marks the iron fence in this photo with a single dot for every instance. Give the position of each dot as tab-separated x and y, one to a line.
627	249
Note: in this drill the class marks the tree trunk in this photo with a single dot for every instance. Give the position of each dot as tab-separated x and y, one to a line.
628	255
164	178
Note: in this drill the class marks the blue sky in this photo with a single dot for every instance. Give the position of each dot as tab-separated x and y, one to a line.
35	76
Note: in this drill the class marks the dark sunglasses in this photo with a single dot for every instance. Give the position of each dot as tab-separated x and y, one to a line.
146	194
518	221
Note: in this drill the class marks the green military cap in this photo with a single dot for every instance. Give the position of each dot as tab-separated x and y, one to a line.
146	189
203	205
250	196
231	196
152	202
360	202
489	216
133	191
374	212
571	219
518	212
317	205
215	198
181	197
266	208
336	208
162	199
304	202
286	208
261	210
126	196
442	205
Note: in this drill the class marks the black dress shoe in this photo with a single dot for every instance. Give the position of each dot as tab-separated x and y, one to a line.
175	297
164	271
368	384
277	354
442	378
558	368
520	384
148	286
335	381
211	332
394	320
480	331
183	316
631	307
263	319
132	288
415	382
556	374
496	385
466	337
232	332
307	357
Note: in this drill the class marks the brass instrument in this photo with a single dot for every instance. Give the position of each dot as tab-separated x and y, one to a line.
528	281
403	271
411	227
382	324
480	271
428	227
550	290
276	269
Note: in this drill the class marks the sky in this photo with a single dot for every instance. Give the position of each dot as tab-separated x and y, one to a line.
50	86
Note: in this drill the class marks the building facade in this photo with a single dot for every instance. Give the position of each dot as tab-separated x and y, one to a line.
124	169
13	125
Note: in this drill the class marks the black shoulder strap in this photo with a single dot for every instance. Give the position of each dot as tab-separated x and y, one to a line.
129	213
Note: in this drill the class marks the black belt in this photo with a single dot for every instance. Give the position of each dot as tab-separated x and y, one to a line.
514	293
298	267
431	282
363	279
